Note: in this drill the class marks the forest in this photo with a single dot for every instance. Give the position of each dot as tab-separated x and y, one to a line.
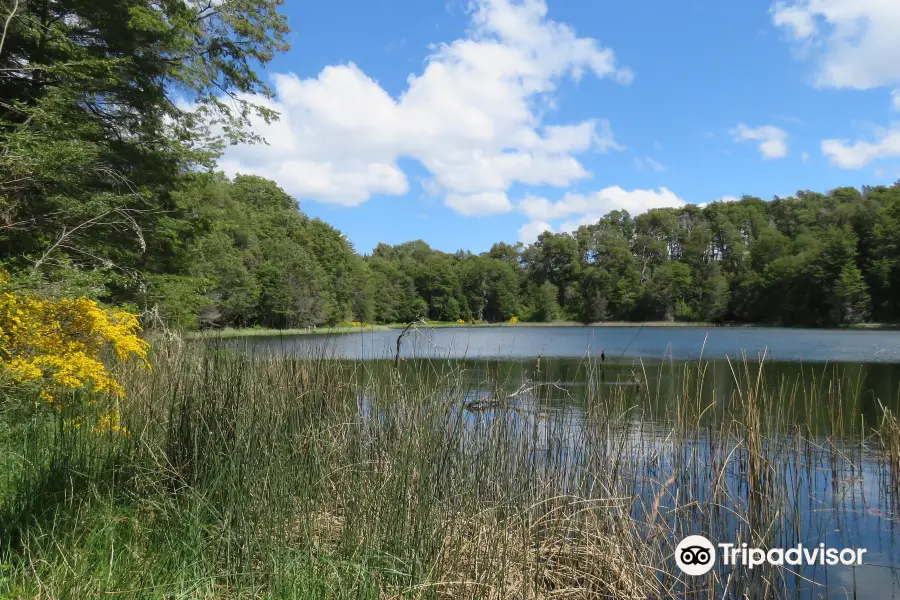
240	253
134	465
109	190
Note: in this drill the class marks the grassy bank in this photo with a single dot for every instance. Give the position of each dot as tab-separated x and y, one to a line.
264	332
306	478
229	332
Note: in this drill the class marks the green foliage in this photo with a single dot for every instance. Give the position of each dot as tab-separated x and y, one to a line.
245	256
850	297
593	295
104	106
548	309
178	300
108	190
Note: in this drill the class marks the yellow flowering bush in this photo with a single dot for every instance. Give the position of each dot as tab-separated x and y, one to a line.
57	343
111	423
461	321
513	320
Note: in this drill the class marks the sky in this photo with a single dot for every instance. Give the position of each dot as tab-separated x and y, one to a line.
464	123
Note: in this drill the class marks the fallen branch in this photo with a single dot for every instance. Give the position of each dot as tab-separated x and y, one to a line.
403	334
490	401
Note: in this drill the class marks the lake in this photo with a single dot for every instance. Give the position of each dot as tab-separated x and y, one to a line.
652	343
773	454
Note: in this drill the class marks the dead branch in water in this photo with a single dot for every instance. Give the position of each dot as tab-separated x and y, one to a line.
491	401
403	334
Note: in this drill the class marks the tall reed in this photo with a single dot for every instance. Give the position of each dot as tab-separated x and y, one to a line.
249	476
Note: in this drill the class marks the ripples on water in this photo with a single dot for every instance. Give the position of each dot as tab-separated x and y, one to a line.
819	489
822	484
680	343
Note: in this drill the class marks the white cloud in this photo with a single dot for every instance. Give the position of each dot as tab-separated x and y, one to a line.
599	203
856	155
853	42
804	156
648	163
477	205
472	118
772	140
895	99
722	199
582	209
794	17
529	232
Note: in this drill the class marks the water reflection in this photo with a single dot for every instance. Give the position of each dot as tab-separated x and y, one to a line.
619	343
617	435
771	453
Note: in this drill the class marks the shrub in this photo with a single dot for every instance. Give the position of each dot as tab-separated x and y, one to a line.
57	344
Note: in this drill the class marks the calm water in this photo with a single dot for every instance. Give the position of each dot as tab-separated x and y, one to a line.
842	495
653	343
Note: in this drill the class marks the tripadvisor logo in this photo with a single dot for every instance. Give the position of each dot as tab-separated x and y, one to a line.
696	555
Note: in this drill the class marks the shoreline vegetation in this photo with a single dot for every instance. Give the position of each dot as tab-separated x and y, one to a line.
187	247
229	476
229	332
147	468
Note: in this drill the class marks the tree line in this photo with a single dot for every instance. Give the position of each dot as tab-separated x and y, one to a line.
112	116
814	259
244	255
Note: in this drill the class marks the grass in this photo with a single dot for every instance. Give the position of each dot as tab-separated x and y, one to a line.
873	326
230	332
269	477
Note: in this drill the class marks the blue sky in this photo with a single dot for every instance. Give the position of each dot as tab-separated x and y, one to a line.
465	123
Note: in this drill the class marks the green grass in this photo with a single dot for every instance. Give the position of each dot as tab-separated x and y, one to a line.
229	332
273	478
323	330
873	326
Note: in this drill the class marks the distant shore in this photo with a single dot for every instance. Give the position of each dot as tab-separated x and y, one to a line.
229	332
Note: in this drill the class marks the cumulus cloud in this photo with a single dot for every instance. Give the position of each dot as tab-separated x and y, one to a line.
772	140
895	99
858	154
583	209
854	43
529	232
479	205
472	118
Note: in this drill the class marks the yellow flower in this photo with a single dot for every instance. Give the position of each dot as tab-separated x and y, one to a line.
111	423
74	423
58	343
513	320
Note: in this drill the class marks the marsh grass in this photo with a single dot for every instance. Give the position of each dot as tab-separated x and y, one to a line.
271	477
